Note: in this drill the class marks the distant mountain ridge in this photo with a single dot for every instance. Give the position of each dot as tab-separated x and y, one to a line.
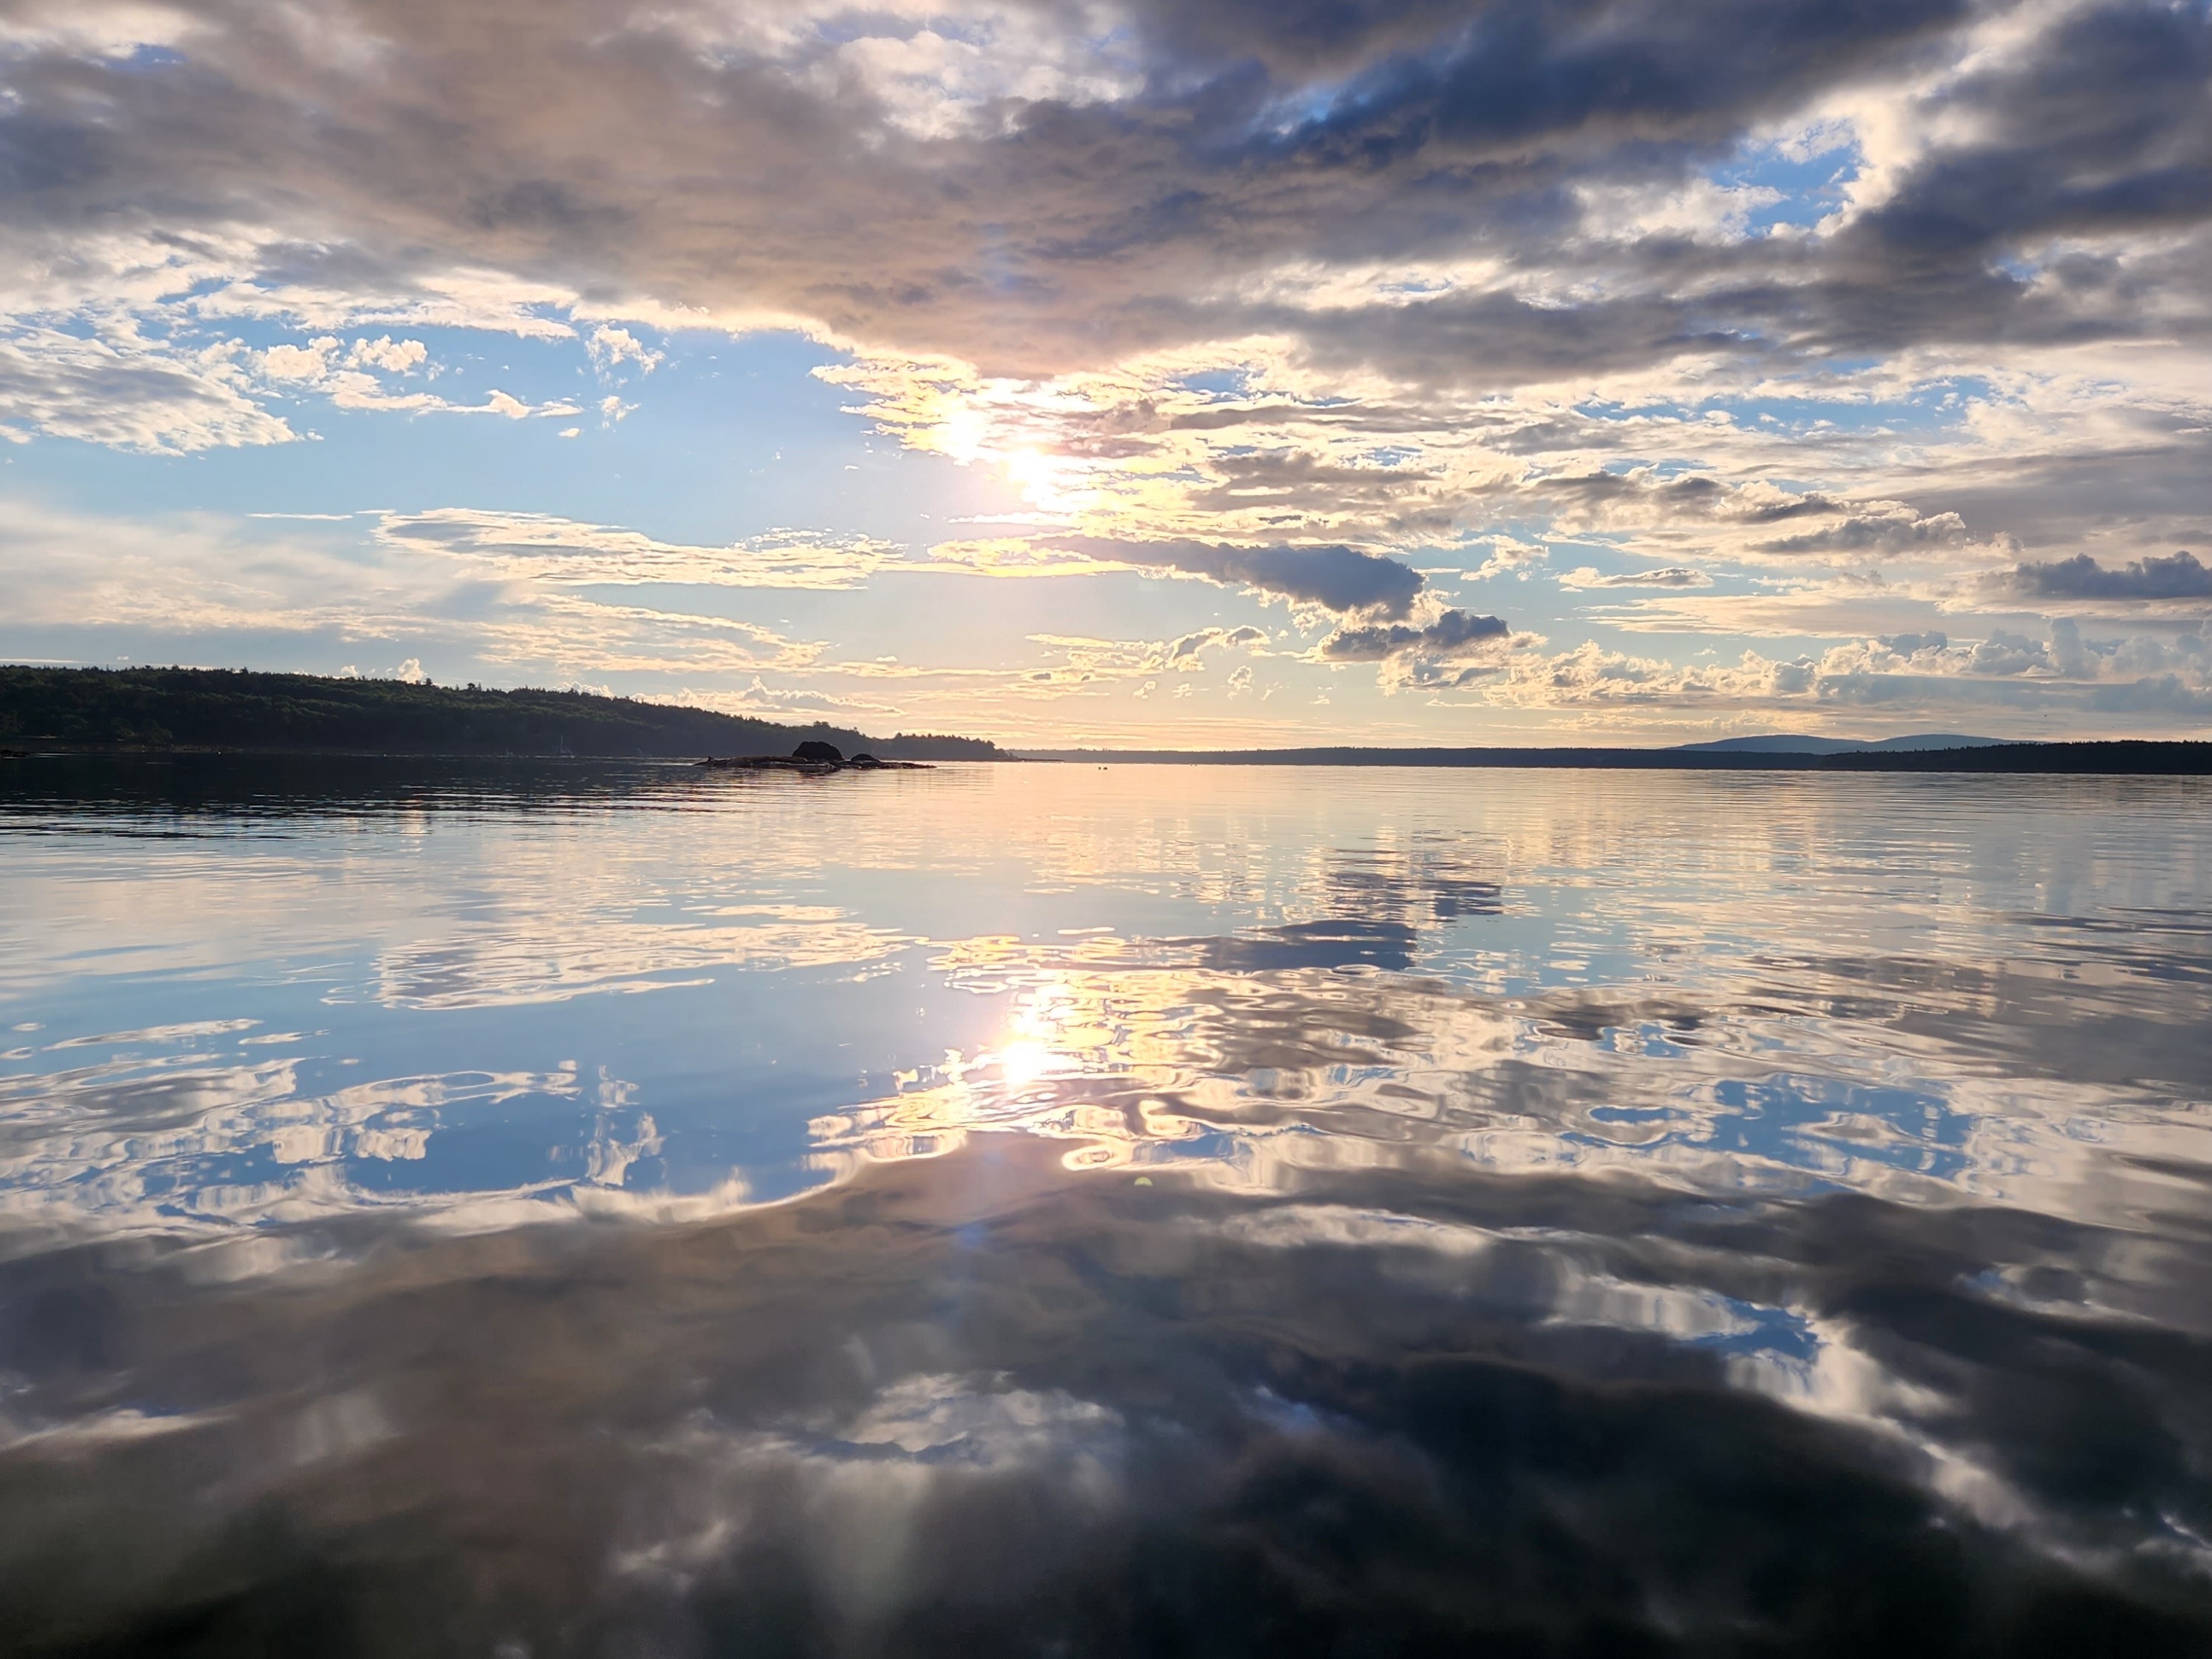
238	708
1785	744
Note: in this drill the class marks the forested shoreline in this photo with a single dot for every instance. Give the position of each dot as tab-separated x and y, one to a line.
241	708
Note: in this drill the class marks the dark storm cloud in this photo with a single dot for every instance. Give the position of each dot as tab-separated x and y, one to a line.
2106	128
1451	634
2181	576
1653	70
715	157
1336	578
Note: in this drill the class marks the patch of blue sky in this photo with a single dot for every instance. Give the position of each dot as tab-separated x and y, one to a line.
1807	188
1462	558
1414	288
843	29
725	439
1223	384
1391	455
1924	415
1305	107
146	59
1927	408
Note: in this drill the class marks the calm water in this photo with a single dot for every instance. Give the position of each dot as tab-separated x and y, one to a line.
1063	1211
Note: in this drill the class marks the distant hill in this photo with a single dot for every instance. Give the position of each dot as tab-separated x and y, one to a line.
227	709
1785	745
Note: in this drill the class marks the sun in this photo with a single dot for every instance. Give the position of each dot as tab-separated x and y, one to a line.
1034	472
1022	1062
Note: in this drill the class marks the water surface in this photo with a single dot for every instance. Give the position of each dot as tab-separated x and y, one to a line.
600	1210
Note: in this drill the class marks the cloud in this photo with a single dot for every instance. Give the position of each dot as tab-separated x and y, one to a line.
182	584
1086	659
1911	676
1187	649
1454	634
547	548
1897	532
1911	645
389	355
1509	556
1655	512
2008	654
609	349
128	393
1159	180
1673	575
760	698
2163	694
2180	576
348	376
1335	578
541	547
1589	674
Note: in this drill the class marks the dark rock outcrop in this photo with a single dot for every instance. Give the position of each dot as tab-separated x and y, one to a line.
814	750
808	766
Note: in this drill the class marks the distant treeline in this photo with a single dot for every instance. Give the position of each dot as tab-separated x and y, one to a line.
2187	758
2134	755
237	708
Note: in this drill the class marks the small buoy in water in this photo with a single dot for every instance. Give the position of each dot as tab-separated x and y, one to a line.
1144	1181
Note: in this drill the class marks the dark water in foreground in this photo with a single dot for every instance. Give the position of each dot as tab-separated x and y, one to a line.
1062	1211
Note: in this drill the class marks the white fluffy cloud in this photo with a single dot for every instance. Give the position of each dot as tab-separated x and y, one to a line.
122	390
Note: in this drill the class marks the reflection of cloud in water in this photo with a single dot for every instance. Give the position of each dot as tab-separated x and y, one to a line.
1253	1076
1302	945
1424	877
138	1141
978	1403
874	1487
489	966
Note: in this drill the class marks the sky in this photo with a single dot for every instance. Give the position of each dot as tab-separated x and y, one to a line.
1172	373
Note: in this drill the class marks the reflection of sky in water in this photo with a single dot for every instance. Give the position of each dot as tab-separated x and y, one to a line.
1894	985
1330	1012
